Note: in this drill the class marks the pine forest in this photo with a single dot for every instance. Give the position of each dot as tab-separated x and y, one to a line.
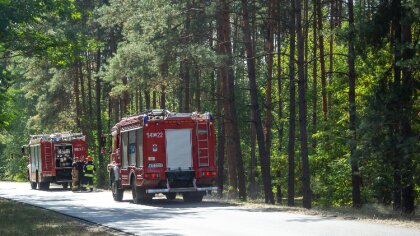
315	102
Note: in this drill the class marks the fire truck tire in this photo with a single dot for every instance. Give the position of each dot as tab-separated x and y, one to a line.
140	195
117	193
65	185
192	196
136	194
170	196
33	185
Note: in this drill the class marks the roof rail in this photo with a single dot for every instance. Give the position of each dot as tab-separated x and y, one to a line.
64	136
194	115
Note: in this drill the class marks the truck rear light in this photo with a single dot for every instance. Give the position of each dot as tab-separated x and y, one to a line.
208	174
152	175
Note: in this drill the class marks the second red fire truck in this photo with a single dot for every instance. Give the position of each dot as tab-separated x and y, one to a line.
51	157
163	152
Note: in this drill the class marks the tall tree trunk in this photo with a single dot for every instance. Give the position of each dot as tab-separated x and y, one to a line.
321	58
279	113
339	13
233	145
82	91
306	186
154	102
137	101
264	158
252	161
197	89
292	112
77	95
357	202
279	88
268	96
331	53
110	113
181	87
141	106
131	108
147	99
82	86
396	43
408	170
254	25
116	109
89	83
314	79
163	98
125	98
101	169
396	188
164	75
227	120
220	131
186	86
305	37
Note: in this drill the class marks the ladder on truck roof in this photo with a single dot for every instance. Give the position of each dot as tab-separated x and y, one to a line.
202	131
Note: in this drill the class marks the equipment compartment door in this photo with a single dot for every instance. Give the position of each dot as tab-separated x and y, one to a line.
63	155
178	149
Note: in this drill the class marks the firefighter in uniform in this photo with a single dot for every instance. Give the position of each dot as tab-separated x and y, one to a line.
88	171
74	176
80	180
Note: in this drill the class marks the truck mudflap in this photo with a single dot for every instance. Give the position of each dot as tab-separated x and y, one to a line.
180	190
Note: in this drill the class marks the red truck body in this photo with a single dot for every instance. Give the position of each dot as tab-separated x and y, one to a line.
163	152
51	158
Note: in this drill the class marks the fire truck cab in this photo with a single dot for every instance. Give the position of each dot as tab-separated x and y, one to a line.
51	157
163	152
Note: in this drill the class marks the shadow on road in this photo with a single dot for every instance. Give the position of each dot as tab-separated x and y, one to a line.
311	219
179	203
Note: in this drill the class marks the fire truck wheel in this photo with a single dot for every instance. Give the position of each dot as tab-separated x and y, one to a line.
192	196
117	193
170	196
33	185
136	194
140	195
65	185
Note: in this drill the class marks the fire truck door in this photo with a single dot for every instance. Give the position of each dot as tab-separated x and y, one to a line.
178	149
33	157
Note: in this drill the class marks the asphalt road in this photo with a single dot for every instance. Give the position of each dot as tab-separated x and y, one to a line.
163	217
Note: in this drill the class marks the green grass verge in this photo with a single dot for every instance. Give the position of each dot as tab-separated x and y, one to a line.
21	219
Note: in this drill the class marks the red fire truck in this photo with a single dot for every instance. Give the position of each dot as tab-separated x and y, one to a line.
51	157
163	152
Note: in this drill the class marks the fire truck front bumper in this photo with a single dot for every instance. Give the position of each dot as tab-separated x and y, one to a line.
181	190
